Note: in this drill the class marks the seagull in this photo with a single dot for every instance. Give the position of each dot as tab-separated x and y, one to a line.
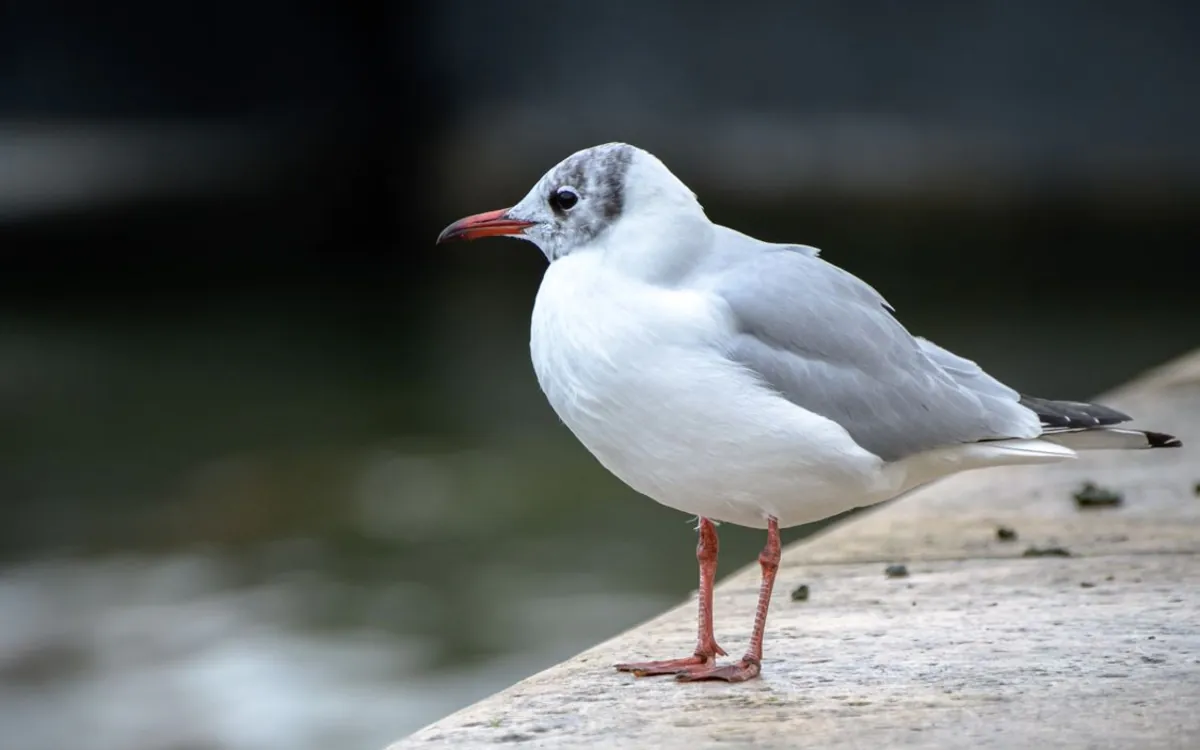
749	382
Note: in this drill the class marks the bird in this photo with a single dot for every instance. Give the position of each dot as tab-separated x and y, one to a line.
749	382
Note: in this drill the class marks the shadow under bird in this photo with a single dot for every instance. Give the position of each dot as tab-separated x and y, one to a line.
745	381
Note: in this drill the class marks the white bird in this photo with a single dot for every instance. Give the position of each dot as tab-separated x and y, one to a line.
746	381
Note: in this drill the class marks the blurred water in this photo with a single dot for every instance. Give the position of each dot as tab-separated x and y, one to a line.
244	527
209	548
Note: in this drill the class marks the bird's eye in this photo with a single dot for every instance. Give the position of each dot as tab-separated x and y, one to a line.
563	199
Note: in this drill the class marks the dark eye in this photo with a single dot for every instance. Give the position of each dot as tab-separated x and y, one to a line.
563	199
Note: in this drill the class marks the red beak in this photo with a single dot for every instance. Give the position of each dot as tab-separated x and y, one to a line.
490	224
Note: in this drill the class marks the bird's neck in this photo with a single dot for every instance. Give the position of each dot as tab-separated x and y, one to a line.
658	249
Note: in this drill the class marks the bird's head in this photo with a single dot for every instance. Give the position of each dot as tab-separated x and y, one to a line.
586	198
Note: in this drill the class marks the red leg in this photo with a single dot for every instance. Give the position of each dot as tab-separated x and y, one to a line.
748	667
707	649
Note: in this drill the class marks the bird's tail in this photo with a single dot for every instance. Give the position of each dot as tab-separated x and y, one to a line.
1082	426
1110	438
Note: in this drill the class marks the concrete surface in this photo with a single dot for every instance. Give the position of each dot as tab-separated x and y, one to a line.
979	646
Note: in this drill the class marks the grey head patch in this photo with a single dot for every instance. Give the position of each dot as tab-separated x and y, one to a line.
597	174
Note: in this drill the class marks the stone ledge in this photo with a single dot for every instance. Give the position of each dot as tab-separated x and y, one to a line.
979	646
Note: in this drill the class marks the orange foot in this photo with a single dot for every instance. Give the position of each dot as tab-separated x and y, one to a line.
696	662
743	670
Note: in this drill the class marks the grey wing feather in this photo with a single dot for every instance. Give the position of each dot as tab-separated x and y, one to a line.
828	342
965	372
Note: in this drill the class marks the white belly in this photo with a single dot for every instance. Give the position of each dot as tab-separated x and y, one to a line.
635	372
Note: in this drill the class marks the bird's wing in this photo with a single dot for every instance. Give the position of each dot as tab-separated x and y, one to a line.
827	342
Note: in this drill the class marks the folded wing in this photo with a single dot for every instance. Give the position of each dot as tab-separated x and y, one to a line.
828	342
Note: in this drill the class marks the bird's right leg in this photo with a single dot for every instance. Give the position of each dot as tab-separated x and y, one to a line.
707	649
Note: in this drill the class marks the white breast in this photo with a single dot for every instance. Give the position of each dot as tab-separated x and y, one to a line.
635	371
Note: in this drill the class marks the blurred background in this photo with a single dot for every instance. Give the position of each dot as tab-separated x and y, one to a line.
275	471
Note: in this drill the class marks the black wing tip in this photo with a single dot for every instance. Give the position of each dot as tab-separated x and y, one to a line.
1163	440
1073	414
